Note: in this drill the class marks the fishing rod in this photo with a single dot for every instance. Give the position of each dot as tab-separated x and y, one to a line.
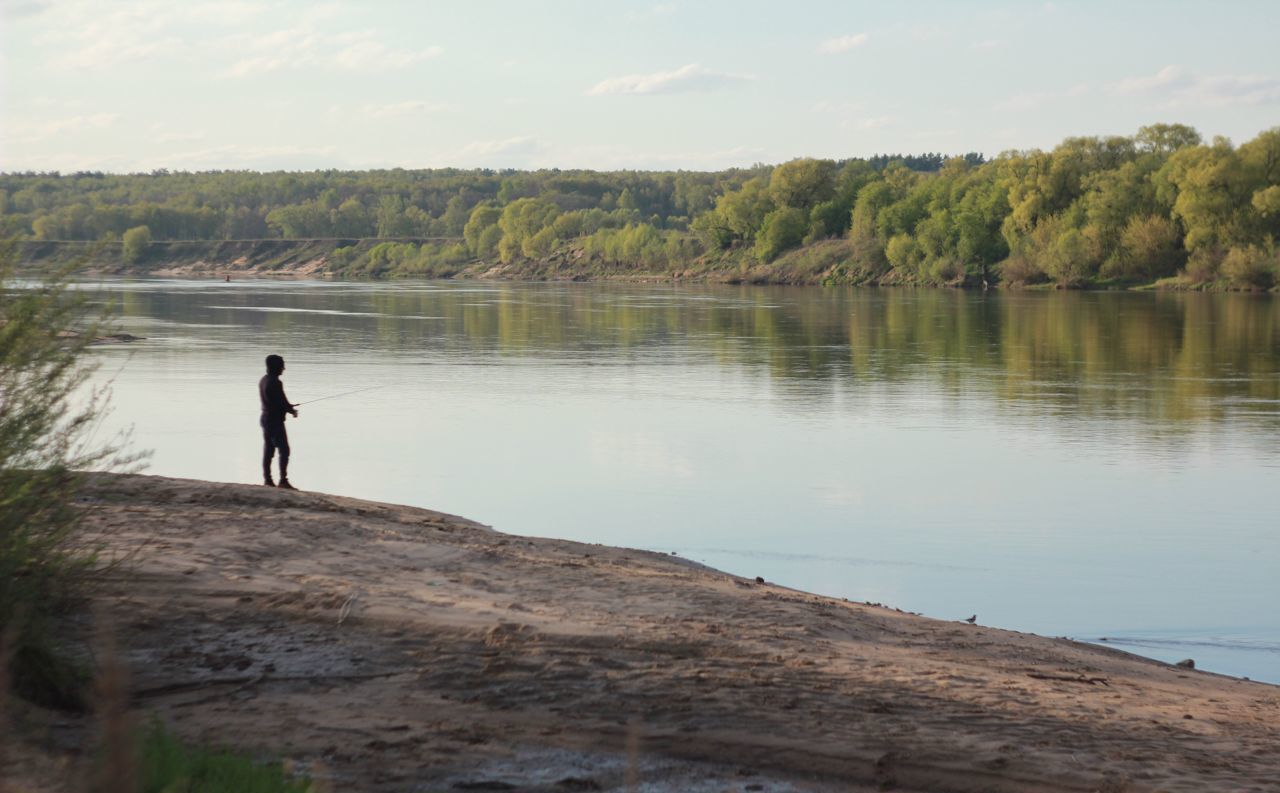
335	396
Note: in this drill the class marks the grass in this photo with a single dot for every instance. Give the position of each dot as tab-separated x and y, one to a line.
169	766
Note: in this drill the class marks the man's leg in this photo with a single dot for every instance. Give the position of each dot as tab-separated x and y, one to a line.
282	443
268	451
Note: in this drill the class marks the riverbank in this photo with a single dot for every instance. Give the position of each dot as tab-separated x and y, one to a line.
823	263
394	648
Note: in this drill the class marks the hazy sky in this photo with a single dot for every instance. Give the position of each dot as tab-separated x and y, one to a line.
126	85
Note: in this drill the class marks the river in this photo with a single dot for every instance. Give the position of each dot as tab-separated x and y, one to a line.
1092	465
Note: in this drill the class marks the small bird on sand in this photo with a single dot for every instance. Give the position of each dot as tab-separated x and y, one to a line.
972	619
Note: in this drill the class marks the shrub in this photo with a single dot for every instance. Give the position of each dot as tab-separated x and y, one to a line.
1150	248
1250	267
136	241
44	448
782	229
1020	269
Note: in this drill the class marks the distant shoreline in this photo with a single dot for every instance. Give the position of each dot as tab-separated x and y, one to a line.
820	264
394	645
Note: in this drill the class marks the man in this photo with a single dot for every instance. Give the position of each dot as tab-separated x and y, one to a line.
274	407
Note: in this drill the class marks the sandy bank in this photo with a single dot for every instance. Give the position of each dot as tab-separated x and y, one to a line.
394	648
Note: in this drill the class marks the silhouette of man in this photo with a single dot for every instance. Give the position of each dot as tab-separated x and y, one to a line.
274	408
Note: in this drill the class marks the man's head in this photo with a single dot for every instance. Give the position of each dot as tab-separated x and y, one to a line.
275	364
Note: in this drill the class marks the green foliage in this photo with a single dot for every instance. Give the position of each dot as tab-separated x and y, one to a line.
521	221
782	229
44	448
1250	267
803	183
169	766
135	243
1130	208
1150	247
481	230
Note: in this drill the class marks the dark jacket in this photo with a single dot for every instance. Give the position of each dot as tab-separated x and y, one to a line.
274	403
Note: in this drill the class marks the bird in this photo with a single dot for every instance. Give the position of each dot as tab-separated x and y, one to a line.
972	619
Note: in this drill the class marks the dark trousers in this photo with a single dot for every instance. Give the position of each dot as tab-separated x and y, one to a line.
274	438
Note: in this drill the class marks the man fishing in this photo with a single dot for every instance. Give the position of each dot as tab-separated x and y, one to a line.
274	407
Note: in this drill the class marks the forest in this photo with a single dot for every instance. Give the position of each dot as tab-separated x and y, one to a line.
1093	211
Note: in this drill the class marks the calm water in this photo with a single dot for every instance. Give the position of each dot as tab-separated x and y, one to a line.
1087	465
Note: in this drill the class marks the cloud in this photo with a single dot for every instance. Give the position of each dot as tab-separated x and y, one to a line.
1035	99
407	108
27	8
370	55
230	156
1176	87
836	106
82	34
987	44
1167	79
33	131
869	123
691	77
161	135
304	47
508	152
842	43
659	10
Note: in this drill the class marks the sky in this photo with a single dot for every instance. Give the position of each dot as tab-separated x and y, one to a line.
138	85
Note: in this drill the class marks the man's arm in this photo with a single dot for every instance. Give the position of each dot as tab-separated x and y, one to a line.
288	406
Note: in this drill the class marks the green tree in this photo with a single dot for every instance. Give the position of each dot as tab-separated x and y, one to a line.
521	220
782	229
136	241
481	231
802	183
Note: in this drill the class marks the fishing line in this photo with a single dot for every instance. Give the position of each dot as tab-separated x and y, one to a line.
335	396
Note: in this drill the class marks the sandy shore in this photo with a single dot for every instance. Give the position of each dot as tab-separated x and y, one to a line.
397	649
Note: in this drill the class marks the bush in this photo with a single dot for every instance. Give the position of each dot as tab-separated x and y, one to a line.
1250	267
1202	266
782	229
44	448
136	241
1019	269
1150	248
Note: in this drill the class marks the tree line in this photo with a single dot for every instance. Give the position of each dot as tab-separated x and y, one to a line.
1117	209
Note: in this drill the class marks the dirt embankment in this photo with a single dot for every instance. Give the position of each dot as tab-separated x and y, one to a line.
823	262
392	649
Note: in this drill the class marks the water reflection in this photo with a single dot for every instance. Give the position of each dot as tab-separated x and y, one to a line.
1168	360
1085	464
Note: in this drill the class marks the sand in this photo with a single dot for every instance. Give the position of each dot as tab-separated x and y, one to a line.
389	648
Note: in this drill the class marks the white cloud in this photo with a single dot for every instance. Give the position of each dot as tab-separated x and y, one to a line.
508	152
370	55
410	107
27	8
162	135
659	10
843	43
1176	87
82	34
1035	99
691	77
229	156
988	44
836	106
304	47
869	123
1168	78
33	131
